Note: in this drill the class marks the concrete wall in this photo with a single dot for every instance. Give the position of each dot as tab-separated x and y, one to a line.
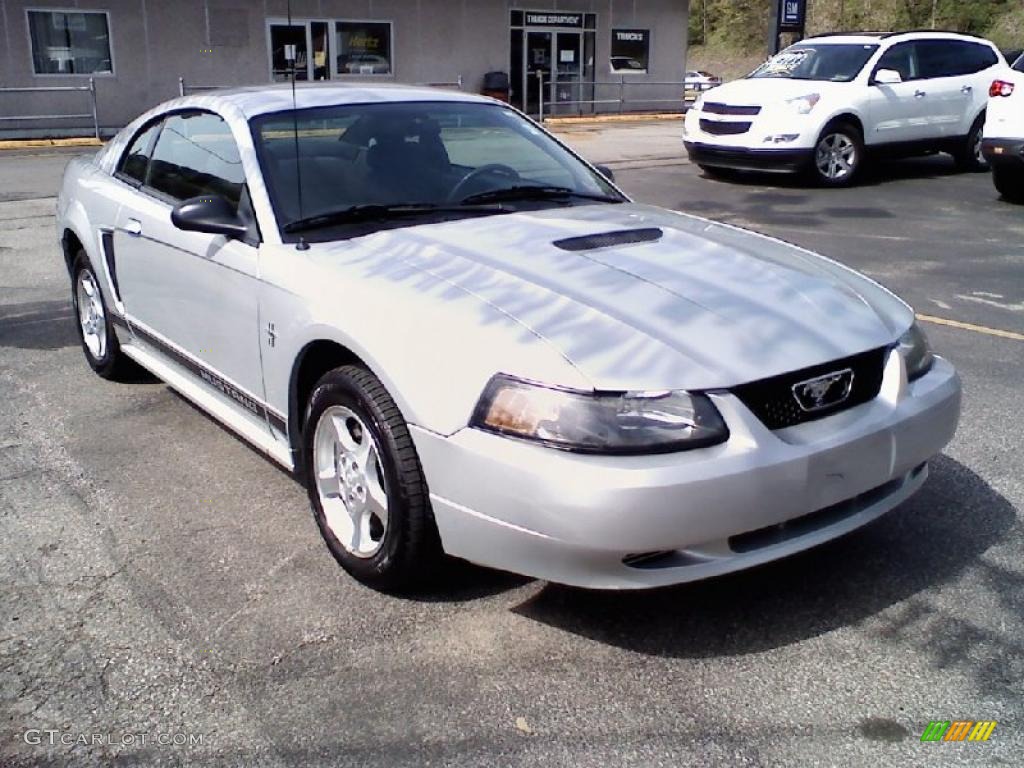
156	41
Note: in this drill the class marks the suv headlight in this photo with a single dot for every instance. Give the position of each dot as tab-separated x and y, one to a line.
802	105
610	423
916	351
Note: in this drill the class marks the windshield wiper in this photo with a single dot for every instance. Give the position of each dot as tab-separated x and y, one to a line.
357	213
535	192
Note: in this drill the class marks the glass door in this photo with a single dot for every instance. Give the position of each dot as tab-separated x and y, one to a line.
287	42
320	35
538	60
569	68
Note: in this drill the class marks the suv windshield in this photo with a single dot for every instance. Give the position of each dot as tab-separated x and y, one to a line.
370	166
836	62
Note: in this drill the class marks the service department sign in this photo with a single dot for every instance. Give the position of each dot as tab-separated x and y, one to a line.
541	19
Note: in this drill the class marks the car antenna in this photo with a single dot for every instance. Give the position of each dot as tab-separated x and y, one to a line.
302	245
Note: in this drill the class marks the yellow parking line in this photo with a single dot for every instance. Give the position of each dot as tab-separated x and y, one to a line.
972	327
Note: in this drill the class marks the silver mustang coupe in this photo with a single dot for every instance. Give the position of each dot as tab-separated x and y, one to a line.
466	340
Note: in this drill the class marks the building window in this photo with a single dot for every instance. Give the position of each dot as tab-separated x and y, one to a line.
631	49
363	47
70	42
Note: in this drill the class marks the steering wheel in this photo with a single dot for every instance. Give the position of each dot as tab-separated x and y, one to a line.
497	169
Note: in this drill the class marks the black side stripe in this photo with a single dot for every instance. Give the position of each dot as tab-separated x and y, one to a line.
203	373
108	256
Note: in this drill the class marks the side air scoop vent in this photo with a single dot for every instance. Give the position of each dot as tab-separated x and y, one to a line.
608	239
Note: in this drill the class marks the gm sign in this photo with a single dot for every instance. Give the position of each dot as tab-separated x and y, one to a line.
792	14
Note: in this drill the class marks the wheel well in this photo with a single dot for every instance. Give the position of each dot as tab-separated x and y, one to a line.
850	118
315	359
71	246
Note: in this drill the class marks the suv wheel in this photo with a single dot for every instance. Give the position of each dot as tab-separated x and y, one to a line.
1009	183
99	342
969	157
365	482
838	154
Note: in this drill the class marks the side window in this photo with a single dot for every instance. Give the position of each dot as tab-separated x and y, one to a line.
197	155
902	57
135	160
980	57
943	58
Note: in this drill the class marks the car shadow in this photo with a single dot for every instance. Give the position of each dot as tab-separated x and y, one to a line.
876	171
38	325
930	540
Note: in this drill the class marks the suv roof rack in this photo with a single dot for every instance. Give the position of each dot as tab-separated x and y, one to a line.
931	32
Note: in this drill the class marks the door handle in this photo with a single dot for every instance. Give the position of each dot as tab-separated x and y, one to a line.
133	227
919	94
967	89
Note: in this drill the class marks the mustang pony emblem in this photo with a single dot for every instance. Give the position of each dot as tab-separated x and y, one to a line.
824	391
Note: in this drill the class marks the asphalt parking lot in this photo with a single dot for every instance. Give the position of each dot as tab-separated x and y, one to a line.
159	578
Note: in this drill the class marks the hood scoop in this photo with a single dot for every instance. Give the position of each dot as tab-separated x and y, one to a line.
609	239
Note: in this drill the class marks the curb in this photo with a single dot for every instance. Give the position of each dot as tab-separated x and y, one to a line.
37	143
598	119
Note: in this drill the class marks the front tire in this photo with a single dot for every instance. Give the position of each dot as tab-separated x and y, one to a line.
1009	183
365	483
95	331
969	158
838	155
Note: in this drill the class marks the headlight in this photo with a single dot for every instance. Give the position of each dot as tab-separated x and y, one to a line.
803	105
629	422
916	351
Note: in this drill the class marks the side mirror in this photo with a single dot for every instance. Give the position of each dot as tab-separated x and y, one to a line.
887	77
210	214
607	172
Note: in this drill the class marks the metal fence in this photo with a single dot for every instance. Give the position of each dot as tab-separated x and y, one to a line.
90	89
185	88
616	95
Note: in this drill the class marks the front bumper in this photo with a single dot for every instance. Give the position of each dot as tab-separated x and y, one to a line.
645	521
744	159
1003	151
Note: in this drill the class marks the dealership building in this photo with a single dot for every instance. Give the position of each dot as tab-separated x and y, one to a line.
564	57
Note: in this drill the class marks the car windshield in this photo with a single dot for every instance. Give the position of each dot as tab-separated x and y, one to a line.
836	62
372	166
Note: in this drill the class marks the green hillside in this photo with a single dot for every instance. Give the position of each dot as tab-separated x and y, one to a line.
741	25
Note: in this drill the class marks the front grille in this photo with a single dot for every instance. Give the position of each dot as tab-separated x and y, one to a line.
715	108
773	402
717	128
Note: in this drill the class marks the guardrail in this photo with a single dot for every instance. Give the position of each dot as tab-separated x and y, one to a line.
90	89
184	88
550	96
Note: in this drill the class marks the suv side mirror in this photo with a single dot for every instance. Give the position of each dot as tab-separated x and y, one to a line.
887	77
211	214
607	172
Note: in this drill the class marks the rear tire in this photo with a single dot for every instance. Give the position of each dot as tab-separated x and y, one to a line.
92	321
838	155
366	485
1009	183
969	157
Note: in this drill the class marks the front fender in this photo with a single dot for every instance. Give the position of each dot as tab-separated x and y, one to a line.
433	345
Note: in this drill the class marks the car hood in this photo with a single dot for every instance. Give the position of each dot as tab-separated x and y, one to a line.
703	306
770	90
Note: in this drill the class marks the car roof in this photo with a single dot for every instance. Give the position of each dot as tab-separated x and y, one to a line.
255	100
876	37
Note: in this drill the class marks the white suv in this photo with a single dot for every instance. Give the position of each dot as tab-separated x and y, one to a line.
1004	132
824	102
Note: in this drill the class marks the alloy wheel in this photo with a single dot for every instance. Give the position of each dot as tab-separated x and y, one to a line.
91	316
350	481
836	156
